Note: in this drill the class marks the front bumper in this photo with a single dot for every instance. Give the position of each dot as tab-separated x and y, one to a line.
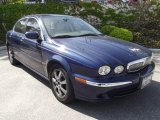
118	86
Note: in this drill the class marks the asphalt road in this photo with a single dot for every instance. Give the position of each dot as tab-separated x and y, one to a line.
26	96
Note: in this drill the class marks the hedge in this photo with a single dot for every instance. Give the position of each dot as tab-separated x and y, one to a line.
91	12
116	32
96	15
10	13
107	29
122	34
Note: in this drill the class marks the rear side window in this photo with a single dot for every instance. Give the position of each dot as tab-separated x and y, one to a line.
20	26
32	26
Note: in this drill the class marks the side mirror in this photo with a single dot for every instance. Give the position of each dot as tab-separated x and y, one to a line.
32	35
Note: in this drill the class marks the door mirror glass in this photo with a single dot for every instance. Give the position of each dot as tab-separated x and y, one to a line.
32	35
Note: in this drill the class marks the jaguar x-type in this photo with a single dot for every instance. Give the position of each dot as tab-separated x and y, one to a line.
78	60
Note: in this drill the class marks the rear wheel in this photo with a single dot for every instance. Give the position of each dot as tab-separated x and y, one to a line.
12	60
61	84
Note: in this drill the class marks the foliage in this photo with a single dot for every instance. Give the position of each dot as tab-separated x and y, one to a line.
122	34
138	18
10	13
107	29
116	32
11	1
18	1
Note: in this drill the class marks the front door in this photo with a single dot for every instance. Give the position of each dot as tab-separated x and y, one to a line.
31	48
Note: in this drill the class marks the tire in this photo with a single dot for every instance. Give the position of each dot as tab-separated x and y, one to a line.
12	60
60	84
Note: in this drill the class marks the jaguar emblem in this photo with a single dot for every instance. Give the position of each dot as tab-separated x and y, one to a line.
134	49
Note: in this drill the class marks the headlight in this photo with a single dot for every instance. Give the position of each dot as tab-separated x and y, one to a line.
119	69
104	70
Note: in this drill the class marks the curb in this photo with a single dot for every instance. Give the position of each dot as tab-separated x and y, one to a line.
155	50
3	48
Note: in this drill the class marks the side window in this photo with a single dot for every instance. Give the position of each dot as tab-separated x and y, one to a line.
20	26
32	25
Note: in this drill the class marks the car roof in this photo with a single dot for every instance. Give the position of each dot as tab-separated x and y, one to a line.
41	15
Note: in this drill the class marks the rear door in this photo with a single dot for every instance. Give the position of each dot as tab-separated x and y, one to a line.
31	48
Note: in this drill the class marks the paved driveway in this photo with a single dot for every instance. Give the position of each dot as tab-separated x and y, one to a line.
26	96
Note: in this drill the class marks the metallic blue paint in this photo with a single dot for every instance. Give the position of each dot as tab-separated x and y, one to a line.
82	57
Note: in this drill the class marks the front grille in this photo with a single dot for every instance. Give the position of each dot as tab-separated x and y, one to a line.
137	65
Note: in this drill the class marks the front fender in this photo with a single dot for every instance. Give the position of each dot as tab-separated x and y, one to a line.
60	60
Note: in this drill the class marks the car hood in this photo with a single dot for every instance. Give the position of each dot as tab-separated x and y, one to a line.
104	50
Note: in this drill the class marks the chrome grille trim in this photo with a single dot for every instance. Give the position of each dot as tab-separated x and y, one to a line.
141	62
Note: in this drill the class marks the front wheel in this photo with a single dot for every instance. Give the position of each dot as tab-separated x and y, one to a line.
61	84
12	60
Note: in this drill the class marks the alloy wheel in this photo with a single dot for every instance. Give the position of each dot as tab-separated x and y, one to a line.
11	55
59	83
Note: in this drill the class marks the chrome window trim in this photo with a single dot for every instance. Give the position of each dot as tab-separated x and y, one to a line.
27	18
137	61
41	32
17	22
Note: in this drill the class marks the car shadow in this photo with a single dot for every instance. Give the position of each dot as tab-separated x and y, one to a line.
144	104
36	76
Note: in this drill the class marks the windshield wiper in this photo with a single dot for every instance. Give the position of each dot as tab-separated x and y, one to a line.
90	34
69	36
63	36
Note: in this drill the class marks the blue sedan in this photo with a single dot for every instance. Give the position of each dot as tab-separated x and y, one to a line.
78	60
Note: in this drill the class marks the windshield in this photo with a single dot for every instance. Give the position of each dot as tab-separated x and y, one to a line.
65	26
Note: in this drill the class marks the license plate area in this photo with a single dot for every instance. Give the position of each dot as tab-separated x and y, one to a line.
146	80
